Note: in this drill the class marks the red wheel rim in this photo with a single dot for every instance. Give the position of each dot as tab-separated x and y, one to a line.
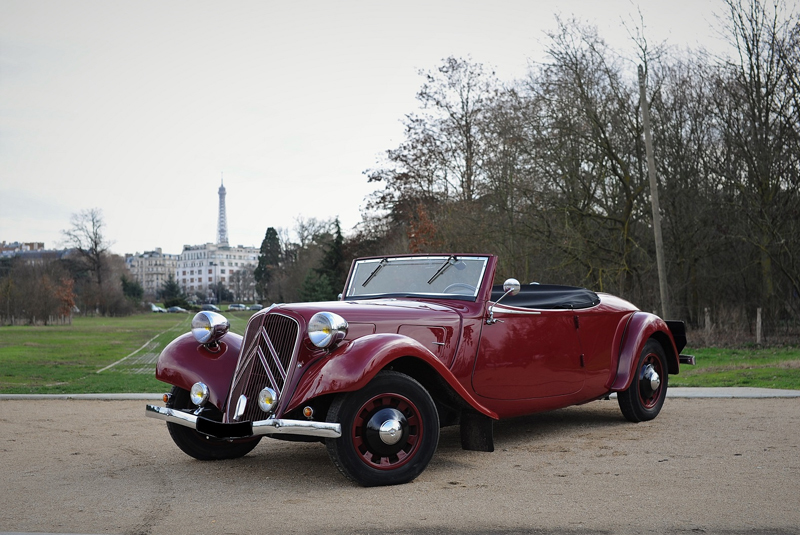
648	395
370	449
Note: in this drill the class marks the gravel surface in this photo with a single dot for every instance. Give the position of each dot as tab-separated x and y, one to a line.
703	466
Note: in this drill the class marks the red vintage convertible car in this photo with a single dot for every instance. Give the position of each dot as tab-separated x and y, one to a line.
416	342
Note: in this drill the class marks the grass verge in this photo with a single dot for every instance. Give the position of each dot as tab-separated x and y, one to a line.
763	367
66	359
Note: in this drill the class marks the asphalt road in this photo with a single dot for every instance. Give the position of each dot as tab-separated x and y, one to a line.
703	466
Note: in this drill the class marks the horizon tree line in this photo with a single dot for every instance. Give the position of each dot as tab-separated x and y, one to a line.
549	172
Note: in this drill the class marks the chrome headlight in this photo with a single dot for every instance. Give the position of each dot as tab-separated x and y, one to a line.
208	327
326	329
266	399
199	394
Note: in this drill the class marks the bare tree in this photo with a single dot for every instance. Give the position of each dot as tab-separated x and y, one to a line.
36	292
85	236
591	179
242	283
756	109
437	171
550	172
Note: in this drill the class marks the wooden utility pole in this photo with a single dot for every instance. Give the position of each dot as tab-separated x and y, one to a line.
651	168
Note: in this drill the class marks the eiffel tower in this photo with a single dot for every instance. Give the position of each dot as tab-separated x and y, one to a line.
222	224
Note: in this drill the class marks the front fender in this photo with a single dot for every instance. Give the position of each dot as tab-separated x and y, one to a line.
184	362
352	366
641	327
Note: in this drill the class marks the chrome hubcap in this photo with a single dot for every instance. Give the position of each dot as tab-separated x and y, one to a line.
386	431
649	374
391	431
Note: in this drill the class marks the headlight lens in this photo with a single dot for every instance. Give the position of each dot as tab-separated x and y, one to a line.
326	329
266	399
208	327
199	394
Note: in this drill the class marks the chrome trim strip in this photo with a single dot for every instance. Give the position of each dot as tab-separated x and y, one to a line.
270	426
273	383
274	426
274	352
509	310
171	415
687	359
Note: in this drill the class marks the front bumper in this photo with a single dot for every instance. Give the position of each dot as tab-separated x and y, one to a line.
270	426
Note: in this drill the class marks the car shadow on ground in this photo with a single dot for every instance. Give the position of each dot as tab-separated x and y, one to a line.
601	415
307	466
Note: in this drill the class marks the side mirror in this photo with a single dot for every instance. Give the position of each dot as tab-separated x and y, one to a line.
510	286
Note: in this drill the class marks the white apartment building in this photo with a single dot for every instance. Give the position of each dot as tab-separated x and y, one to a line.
202	267
152	268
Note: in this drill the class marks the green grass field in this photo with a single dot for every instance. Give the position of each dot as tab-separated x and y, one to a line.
764	367
66	359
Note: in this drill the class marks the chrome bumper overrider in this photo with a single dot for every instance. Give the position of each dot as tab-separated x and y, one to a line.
270	426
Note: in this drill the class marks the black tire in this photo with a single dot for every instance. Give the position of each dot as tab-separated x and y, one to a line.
643	399
370	451
198	445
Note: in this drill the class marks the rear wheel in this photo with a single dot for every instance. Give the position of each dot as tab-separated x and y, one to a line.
198	445
390	430
645	396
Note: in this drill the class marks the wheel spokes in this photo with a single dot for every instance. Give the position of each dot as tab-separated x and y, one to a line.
384	412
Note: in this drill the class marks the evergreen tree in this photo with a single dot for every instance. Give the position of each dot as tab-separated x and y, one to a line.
132	289
269	258
171	290
332	265
316	288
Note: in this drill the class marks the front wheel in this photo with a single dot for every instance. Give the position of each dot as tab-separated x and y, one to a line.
198	445
390	430
643	399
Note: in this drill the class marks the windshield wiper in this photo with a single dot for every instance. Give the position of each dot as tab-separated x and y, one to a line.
447	263
375	272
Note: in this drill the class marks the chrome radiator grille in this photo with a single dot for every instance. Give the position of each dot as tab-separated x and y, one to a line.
270	344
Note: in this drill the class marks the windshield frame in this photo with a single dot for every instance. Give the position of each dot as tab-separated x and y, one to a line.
376	267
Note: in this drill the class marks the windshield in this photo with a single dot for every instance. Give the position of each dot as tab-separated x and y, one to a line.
452	276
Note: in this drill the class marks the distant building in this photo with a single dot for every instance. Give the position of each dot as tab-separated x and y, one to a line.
14	248
152	268
32	252
200	269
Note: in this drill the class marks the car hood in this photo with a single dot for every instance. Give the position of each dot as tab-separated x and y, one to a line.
379	311
435	326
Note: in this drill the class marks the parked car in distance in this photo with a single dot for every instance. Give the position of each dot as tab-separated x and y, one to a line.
416	342
255	306
236	306
157	309
177	310
211	308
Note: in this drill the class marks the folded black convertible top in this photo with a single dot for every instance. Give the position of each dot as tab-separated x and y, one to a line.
548	296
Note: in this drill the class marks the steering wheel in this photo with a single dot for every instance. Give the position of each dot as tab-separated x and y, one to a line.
460	286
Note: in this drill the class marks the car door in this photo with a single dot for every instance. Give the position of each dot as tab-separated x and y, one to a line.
529	354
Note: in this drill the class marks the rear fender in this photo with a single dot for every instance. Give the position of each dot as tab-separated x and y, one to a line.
641	327
185	362
353	365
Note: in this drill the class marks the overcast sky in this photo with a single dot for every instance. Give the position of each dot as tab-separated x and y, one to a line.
138	108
